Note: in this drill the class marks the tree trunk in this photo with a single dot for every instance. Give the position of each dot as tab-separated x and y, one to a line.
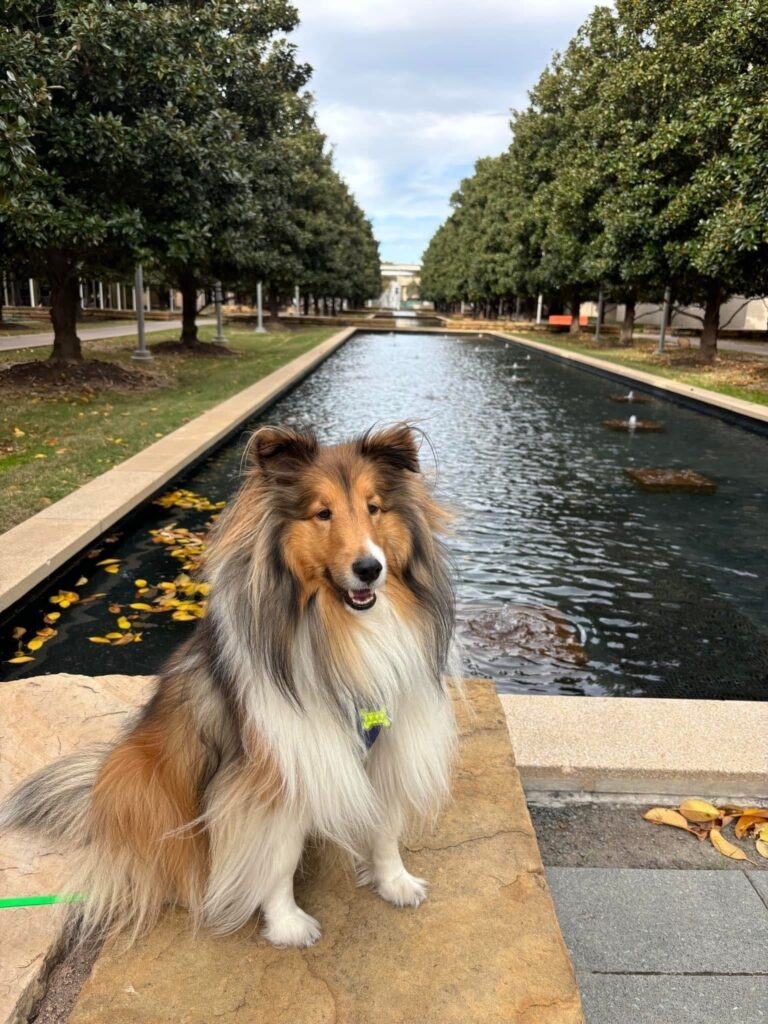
65	297
711	321
575	327
628	323
188	289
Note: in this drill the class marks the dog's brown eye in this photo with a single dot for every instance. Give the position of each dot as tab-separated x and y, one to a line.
373	509
324	513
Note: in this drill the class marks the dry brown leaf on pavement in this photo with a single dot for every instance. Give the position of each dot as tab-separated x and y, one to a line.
745	823
725	848
666	816
699	810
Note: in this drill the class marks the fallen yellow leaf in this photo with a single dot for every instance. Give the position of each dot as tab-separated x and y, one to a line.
699	810
666	816
744	824
725	848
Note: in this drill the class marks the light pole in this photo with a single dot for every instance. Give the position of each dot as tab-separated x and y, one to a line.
600	311
219	338
259	311
142	353
665	318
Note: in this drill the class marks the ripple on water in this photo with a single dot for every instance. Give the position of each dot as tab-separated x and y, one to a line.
665	594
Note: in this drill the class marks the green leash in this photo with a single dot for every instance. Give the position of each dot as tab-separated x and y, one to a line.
41	901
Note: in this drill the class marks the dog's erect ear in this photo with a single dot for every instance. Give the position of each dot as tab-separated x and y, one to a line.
395	446
279	450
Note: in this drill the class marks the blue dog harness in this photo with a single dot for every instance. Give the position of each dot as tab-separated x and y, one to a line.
371	722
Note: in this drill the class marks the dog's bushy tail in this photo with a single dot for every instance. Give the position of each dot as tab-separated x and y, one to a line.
54	802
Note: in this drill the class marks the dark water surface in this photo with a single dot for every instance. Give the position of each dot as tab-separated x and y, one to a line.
663	595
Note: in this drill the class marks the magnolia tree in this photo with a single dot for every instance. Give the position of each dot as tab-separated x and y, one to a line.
638	164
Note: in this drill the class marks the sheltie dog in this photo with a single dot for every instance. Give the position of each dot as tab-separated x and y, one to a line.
308	703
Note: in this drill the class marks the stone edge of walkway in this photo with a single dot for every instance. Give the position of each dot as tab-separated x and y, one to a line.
703	397
637	745
40	545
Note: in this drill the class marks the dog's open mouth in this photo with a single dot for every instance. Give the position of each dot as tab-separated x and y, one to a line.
360	600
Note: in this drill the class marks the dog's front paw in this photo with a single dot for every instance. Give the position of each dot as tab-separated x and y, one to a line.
403	890
292	929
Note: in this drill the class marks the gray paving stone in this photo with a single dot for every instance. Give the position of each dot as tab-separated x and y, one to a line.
656	999
649	921
760	881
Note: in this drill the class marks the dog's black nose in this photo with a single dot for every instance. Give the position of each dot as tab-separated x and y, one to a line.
367	569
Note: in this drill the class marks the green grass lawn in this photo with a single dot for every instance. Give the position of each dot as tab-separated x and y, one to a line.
737	374
51	445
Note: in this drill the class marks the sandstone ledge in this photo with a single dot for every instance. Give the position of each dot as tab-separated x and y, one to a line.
485	947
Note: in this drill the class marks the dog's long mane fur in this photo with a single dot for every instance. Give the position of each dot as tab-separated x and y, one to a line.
253	724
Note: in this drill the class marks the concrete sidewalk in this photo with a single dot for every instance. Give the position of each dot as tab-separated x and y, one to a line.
666	946
121	328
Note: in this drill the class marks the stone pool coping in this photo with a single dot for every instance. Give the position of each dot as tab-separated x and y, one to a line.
486	946
37	547
750	415
639	746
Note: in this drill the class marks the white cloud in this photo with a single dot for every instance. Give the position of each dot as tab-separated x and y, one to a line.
372	16
410	95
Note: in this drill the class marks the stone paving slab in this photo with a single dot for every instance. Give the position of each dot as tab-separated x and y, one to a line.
656	999
42	718
639	745
661	922
485	947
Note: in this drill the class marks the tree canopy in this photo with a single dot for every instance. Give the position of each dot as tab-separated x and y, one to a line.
638	164
167	132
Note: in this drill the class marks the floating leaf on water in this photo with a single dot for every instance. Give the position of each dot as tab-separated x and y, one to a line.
698	810
725	848
19	659
666	816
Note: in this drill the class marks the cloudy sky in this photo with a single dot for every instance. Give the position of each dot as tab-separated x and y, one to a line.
412	92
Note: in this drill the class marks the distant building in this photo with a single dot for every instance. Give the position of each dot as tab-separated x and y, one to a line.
400	285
